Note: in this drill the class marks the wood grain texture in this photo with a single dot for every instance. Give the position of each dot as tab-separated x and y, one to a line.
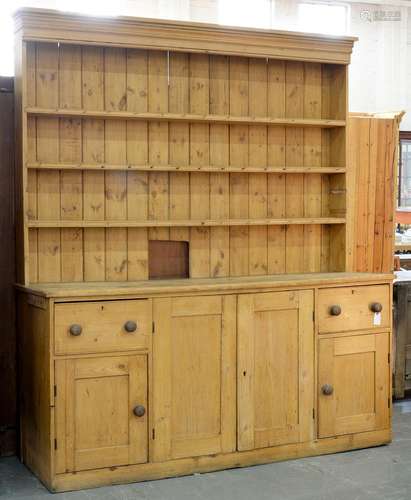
374	157
100	188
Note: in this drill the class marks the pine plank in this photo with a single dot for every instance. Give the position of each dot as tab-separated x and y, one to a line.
219	156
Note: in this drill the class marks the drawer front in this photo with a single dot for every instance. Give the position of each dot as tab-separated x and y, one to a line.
350	308
88	327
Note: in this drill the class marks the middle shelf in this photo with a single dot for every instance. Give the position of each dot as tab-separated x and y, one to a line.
187	117
187	222
185	168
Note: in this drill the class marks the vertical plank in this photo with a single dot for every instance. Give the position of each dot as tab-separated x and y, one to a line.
359	159
48	183
294	106
179	143
199	155
245	371
378	165
70	94
93	152
47	75
276	158
115	95
71	182
239	155
312	158
158	192
219	156
258	158
391	140
137	154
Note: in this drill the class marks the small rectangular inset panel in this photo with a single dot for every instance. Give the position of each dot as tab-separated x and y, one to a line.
168	259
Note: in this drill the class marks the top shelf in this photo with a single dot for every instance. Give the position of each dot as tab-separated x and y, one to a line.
187	117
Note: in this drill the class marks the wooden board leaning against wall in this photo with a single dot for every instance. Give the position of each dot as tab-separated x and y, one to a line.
373	158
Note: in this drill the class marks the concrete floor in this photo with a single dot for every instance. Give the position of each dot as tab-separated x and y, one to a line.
377	474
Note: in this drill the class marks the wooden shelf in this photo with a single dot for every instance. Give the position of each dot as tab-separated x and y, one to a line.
187	223
185	168
176	117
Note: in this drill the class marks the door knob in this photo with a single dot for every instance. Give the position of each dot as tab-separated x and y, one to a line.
75	330
376	307
327	389
335	310
139	411
130	326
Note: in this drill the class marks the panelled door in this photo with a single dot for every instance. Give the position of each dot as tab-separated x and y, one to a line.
353	384
101	416
275	368
194	376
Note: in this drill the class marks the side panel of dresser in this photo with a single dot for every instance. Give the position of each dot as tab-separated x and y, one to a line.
35	384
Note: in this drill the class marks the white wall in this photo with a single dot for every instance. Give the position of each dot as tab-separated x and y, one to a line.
380	73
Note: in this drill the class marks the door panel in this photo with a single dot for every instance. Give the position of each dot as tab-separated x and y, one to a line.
194	376
275	368
357	370
95	423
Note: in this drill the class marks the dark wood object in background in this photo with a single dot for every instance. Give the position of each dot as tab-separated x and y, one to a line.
7	272
168	259
402	332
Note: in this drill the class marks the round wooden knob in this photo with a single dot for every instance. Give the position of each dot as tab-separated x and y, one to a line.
130	326
75	330
335	310
327	389
376	307
139	411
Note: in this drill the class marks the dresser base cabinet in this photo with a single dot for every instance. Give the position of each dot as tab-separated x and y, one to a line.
135	383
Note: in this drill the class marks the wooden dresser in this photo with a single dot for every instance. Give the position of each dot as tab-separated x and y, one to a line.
229	145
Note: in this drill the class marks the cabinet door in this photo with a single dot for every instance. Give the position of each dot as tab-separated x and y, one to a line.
275	368
353	378
194	376
95	421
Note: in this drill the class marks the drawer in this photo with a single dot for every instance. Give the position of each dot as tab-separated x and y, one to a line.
104	326
354	308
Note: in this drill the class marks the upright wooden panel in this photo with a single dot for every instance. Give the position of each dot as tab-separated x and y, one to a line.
276	157
275	392
71	197
294	147
239	155
257	137
194	356
199	155
179	145
93	152
373	159
158	188
48	183
219	156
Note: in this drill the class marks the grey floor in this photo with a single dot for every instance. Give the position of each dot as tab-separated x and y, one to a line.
378	473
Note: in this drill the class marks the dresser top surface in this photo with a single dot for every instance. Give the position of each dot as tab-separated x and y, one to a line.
198	285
